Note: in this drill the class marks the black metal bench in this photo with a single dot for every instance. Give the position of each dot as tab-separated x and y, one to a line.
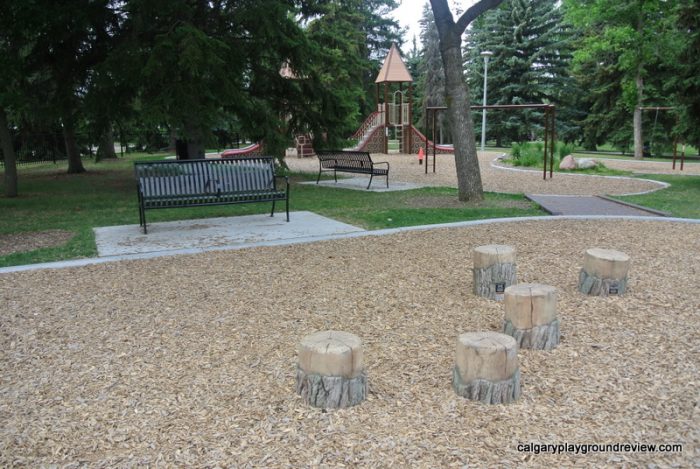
350	162
194	183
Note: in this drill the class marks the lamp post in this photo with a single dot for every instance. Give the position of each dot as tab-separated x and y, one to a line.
485	54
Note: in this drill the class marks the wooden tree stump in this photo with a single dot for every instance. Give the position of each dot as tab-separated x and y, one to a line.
494	270
486	368
531	316
330	373
604	272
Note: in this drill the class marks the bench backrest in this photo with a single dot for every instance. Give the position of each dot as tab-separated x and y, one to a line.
345	159
202	177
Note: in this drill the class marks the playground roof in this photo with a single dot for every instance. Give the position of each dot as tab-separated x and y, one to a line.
393	69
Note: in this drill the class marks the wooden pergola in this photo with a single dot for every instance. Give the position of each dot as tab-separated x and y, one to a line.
549	129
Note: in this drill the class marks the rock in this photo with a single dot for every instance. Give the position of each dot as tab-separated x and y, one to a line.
568	162
586	163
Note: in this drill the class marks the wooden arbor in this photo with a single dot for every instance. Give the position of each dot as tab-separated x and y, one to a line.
396	110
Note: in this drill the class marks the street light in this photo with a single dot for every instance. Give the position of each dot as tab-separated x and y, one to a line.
485	54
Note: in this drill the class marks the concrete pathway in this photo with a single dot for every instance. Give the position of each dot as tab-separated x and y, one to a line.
206	233
588	205
360	184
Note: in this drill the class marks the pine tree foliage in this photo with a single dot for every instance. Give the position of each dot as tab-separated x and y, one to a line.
532	50
431	74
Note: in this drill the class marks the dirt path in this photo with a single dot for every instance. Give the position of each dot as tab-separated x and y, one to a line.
496	179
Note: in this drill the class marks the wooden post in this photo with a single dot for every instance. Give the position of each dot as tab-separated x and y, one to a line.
410	117
494	270
486	368
386	120
604	272
531	316
330	372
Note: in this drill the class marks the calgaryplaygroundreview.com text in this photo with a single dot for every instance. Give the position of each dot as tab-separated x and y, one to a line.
585	448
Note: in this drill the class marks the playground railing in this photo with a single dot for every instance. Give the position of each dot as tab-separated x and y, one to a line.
372	121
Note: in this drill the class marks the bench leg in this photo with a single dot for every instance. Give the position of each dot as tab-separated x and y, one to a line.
387	180
335	175
142	218
370	180
287	207
319	176
272	213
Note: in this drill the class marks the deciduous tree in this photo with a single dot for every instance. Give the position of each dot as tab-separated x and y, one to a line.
457	93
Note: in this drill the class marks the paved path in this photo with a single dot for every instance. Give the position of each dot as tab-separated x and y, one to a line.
586	205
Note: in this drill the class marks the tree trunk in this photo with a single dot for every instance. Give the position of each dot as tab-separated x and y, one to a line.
192	146
639	82
105	149
457	94
10	158
460	120
75	164
637	119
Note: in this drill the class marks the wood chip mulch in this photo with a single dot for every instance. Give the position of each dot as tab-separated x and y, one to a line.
190	360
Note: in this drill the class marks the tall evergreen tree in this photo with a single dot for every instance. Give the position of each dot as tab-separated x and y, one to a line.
532	51
431	75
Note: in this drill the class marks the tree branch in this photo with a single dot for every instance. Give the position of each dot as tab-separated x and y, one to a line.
472	12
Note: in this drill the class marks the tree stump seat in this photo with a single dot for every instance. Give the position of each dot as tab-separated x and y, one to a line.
486	368
494	270
604	272
531	315
330	372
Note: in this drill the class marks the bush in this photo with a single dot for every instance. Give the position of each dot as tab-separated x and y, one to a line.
532	153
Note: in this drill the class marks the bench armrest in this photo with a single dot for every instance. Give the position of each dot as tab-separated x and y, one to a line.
286	180
382	162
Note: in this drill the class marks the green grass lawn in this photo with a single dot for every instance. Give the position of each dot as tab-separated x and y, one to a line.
50	199
682	199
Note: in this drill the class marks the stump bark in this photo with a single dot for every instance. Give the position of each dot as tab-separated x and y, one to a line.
531	316
604	272
494	270
330	372
486	368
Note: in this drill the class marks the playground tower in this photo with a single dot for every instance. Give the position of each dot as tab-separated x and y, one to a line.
395	104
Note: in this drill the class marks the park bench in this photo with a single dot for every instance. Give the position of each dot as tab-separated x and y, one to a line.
194	183
351	162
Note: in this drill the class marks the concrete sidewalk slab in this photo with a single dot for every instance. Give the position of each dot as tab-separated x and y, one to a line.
212	232
586	205
360	184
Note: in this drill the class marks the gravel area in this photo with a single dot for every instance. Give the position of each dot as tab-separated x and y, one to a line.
405	168
190	360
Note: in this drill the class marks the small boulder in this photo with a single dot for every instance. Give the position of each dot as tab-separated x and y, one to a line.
586	163
568	162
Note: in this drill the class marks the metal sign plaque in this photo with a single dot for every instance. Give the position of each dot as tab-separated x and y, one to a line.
500	287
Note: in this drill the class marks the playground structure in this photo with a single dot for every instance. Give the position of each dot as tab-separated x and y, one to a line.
389	129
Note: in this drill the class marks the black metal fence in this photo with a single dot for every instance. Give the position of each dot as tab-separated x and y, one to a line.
49	147
37	148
